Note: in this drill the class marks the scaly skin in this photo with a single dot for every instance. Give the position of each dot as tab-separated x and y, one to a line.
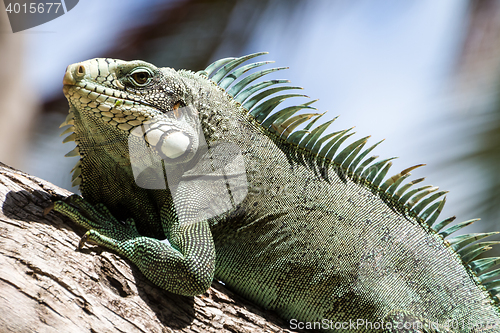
294	231
188	262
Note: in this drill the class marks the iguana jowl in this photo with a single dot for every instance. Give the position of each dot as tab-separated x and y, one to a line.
212	181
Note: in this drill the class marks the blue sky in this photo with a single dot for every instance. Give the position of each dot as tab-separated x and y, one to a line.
385	67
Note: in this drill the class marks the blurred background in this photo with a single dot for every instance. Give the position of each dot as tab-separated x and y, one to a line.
422	74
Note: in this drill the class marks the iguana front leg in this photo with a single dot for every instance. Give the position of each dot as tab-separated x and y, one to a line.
184	264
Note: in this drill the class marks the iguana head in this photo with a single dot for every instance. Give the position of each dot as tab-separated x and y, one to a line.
131	98
138	129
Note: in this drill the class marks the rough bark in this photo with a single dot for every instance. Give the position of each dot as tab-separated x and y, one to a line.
46	285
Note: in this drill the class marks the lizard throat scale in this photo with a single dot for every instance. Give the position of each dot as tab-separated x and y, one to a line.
200	175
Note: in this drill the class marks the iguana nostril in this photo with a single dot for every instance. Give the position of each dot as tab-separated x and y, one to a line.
73	72
80	71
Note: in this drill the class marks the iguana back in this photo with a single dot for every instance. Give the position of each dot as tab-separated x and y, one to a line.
300	226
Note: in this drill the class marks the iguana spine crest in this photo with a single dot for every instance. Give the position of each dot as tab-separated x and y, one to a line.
321	152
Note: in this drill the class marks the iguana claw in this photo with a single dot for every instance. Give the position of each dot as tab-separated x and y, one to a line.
83	240
104	229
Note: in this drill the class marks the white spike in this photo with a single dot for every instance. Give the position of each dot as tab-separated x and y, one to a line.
73	153
69	138
67	131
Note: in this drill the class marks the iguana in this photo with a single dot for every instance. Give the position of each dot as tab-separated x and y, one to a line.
195	175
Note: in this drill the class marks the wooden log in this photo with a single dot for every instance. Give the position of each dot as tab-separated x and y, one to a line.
47	285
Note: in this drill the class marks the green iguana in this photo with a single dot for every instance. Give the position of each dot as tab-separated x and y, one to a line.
193	176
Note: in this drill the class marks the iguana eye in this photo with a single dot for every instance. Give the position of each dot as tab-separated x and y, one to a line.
141	78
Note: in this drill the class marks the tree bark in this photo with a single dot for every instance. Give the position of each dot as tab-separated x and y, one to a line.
46	285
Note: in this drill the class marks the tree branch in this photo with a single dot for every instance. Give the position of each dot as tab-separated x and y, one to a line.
48	286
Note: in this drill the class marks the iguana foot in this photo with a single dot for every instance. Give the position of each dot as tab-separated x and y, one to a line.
184	264
104	229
